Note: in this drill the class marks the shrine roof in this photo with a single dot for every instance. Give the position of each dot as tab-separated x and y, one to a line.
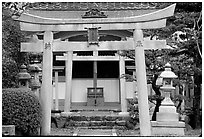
66	10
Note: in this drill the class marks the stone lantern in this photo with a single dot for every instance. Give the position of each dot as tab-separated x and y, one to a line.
167	85
35	82
167	118
23	77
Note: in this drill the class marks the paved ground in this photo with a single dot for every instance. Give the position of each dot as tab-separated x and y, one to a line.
123	133
94	132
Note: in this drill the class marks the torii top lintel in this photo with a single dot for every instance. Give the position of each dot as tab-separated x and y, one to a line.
155	19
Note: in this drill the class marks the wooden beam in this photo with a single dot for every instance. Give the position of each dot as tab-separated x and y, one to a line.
103	26
97	58
67	34
95	79
157	15
32	47
56	91
92	58
68	76
122	85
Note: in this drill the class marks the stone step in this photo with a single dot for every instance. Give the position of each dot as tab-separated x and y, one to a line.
96	123
77	120
96	118
101	127
95	110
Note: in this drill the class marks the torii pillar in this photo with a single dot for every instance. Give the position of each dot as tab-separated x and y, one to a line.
144	119
46	90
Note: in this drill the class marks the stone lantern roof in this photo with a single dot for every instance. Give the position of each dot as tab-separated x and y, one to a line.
167	73
23	74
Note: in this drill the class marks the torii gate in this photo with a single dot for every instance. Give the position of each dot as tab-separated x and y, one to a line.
48	45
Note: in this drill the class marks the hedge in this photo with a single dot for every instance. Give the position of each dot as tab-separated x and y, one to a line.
20	107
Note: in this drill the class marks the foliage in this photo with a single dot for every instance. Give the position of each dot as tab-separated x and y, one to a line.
20	107
186	56
12	58
14	8
134	113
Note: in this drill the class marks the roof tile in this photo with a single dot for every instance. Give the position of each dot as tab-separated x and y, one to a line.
78	6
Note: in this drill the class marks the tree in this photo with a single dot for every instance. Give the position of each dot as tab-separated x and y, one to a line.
190	58
12	58
186	56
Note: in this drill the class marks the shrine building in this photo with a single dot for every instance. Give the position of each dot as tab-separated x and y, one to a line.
92	69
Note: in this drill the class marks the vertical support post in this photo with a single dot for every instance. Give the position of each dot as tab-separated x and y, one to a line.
123	87
192	91
200	96
145	127
187	95
183	101
56	91
68	82
46	94
135	84
95	80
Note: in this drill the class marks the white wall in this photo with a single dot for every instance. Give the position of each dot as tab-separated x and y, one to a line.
111	89
130	89
79	89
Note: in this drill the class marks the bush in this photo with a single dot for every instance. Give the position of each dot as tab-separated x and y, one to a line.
134	113
20	107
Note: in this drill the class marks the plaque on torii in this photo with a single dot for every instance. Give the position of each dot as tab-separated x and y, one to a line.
93	36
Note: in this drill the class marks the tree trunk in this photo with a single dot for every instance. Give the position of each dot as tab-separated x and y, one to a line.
158	100
196	105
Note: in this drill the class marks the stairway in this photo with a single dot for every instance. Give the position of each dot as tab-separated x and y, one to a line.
92	120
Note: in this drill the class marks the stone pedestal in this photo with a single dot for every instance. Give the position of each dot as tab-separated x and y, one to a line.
167	123
167	128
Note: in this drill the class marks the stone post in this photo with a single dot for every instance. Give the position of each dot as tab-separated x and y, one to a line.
46	91
145	128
